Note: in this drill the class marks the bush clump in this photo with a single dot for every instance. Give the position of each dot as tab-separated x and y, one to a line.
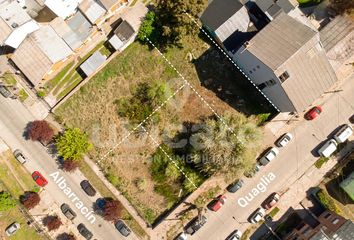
327	201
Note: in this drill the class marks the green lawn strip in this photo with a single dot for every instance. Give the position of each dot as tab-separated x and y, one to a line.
274	212
70	87
54	81
105	192
320	162
133	3
8	78
23	95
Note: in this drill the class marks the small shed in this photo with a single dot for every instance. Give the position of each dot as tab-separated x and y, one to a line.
92	63
123	35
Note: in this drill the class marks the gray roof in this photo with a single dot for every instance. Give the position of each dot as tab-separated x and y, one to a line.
80	25
92	10
267	5
336	31
66	33
107	4
279	40
345	232
219	11
93	63
124	31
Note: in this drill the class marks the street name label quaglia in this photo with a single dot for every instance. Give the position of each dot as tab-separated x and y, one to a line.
260	187
61	182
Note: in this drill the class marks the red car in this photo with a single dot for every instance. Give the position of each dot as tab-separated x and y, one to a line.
40	180
271	201
313	113
217	203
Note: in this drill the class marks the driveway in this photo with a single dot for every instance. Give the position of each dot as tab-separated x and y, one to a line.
13	119
292	162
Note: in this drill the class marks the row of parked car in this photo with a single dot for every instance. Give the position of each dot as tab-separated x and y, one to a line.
65	208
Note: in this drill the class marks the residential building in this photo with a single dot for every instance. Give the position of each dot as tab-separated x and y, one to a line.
329	226
93	11
91	65
63	8
113	5
40	54
123	35
287	61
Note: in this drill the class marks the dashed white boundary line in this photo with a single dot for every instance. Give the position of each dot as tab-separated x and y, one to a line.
141	124
232	61
169	157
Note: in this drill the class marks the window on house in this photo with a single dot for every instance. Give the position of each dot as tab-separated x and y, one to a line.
327	215
285	75
335	221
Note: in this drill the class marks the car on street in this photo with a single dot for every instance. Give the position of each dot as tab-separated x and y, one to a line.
343	133
313	113
4	91
84	231
19	156
271	201
284	140
12	229
67	211
181	236
235	235
257	215
328	148
233	187
122	228
39	179
217	203
269	156
88	188
196	224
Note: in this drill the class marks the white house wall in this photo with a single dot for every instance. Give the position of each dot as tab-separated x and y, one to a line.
239	21
259	73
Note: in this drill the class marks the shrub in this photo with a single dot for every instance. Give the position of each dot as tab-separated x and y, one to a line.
65	236
30	199
327	201
70	165
262	118
140	184
40	130
52	222
41	94
112	210
113	179
147	27
320	162
6	201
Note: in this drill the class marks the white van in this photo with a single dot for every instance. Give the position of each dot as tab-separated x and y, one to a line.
343	133
328	148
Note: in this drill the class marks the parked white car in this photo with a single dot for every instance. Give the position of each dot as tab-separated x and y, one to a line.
343	133
235	235
257	215
284	140
269	156
10	230
19	156
328	148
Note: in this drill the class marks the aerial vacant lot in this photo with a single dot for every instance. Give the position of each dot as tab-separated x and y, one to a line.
112	104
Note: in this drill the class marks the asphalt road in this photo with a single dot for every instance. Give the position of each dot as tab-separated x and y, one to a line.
13	120
291	163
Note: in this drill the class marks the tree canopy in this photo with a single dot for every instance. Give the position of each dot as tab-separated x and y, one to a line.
40	130
30	199
112	210
73	144
6	201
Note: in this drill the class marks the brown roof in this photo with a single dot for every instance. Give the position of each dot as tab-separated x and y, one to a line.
5	31
31	60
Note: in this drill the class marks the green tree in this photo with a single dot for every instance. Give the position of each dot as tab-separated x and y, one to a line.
73	144
147	27
192	181
6	201
172	172
230	145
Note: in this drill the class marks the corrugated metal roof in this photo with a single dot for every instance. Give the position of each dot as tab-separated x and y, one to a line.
92	10
31	60
279	40
65	32
107	4
51	44
13	14
219	11
335	31
93	63
5	31
80	25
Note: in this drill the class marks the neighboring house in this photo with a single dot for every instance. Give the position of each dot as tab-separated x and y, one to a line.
112	5
40	54
337	38
91	65
224	17
63	8
348	185
287	61
81	26
329	226
124	34
92	10
15	24
273	8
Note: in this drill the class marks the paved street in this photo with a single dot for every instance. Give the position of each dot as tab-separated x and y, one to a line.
291	163
13	119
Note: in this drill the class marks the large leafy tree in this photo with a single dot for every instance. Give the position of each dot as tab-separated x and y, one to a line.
226	146
147	28
52	222
6	201
30	199
40	130
112	210
73	144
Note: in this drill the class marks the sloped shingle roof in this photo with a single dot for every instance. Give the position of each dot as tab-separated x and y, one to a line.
279	40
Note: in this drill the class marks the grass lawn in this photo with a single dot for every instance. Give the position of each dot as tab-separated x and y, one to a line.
23	95
8	78
16	186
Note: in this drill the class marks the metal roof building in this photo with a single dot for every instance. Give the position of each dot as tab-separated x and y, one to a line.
92	10
66	33
122	34
93	63
80	25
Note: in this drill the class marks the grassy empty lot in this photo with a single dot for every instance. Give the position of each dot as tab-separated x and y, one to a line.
15	179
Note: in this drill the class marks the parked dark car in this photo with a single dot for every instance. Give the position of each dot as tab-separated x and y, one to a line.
67	211
233	187
196	224
4	91
122	228
84	231
87	187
